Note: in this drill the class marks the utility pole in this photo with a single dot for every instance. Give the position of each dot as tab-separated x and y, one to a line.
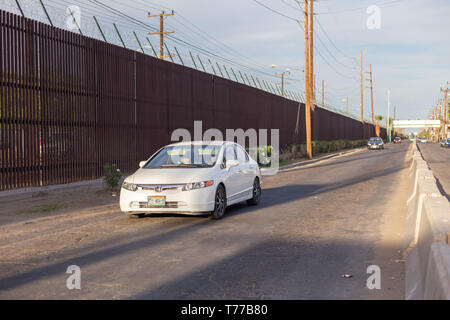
362	100
387	117
323	93
282	75
446	111
371	92
445	91
307	84
395	109
161	32
311	49
314	91
346	101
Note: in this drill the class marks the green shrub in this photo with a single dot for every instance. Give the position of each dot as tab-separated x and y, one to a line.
112	176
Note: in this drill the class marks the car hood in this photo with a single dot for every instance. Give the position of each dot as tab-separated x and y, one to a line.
171	176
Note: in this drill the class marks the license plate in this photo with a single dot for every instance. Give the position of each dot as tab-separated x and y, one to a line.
156	201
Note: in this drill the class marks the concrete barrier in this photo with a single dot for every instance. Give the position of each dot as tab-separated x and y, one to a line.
427	237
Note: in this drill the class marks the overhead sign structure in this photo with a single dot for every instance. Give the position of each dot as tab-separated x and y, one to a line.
417	124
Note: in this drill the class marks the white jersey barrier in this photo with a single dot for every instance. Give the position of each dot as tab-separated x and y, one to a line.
427	239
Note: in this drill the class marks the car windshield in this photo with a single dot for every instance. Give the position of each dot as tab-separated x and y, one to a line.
373	140
185	156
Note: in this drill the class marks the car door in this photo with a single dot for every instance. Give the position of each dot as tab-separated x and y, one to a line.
232	177
246	170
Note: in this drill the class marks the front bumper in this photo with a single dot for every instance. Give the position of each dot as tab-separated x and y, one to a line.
375	146
190	202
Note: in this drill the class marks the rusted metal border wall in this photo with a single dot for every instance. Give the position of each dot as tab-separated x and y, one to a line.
70	104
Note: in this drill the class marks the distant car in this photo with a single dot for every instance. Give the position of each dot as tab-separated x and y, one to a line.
397	140
423	139
375	143
445	143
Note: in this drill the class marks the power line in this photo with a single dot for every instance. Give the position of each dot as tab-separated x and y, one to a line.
291	6
201	33
275	11
360	8
208	37
320	54
331	54
181	41
332	42
326	61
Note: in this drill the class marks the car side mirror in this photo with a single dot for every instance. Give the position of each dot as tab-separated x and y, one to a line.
142	163
232	163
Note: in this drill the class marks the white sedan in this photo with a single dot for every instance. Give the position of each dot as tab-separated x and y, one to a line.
192	178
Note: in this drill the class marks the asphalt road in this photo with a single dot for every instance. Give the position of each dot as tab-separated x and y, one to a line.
439	161
316	223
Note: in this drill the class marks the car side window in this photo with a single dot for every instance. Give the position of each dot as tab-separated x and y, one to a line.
229	154
242	156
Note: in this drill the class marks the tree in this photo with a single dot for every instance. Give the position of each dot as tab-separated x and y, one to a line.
377	129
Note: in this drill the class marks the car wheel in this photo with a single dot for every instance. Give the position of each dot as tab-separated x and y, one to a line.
256	193
220	203
135	215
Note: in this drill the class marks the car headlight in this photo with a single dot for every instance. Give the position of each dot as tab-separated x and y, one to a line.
129	186
197	185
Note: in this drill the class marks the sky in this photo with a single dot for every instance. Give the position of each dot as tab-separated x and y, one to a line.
409	53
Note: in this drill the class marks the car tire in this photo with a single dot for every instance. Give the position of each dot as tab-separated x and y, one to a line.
135	215
220	203
254	201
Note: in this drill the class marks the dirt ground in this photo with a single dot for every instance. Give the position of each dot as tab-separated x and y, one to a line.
45	204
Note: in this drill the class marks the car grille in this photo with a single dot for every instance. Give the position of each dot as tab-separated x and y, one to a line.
169	205
160	187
